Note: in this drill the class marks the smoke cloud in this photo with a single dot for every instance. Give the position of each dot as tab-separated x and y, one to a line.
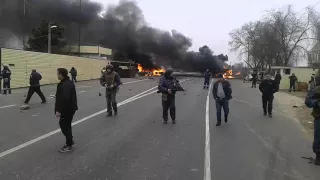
122	28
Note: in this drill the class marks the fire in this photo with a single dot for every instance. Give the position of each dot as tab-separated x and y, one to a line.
151	72
140	68
228	74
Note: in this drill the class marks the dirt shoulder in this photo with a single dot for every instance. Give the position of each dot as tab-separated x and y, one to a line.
292	104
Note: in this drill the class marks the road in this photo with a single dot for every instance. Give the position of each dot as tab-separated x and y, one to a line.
135	145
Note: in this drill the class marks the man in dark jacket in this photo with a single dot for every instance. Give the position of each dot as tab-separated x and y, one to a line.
111	80
267	88
277	80
6	76
35	78
167	87
293	80
74	74
222	93
207	76
313	101
254	79
65	107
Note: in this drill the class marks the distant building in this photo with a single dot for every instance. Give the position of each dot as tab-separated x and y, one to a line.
314	56
303	74
93	52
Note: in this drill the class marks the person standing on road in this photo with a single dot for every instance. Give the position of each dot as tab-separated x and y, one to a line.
277	80
6	76
74	74
222	93
293	80
254	79
111	80
267	88
312	83
35	78
166	87
313	101
65	107
207	76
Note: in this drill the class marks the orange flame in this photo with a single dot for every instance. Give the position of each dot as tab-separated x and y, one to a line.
140	68
152	72
228	74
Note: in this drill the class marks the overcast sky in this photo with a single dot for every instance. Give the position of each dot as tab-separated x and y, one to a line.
208	22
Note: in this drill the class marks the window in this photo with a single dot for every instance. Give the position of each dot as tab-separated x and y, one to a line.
286	71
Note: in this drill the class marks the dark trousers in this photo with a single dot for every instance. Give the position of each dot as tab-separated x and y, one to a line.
167	105
6	85
111	101
292	86
267	102
222	103
254	83
74	78
277	86
33	89
316	141
206	83
66	128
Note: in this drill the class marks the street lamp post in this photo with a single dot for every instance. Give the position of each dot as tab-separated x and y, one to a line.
49	36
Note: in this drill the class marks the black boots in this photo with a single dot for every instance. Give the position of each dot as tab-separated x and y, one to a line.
109	114
165	121
317	160
218	123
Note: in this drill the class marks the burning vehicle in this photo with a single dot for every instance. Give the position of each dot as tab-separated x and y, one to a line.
150	72
228	73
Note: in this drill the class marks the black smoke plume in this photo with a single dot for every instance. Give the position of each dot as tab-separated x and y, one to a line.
122	28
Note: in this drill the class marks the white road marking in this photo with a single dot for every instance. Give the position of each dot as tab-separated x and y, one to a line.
207	168
82	92
21	146
2	107
135	81
129	82
83	87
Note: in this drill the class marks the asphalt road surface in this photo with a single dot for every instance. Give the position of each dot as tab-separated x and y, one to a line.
135	145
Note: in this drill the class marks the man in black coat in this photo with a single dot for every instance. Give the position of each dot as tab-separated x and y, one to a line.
268	88
254	79
65	107
74	74
277	80
35	78
222	93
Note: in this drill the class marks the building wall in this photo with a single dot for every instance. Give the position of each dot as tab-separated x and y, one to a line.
22	62
303	75
89	50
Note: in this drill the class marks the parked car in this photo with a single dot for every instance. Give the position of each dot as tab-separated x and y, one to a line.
248	78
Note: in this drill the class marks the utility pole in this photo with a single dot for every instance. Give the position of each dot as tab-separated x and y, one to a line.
24	23
79	29
49	37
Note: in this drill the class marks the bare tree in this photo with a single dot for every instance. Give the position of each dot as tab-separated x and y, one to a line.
242	43
278	39
293	31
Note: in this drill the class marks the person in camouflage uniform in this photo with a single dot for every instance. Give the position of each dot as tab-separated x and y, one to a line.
313	101
111	80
